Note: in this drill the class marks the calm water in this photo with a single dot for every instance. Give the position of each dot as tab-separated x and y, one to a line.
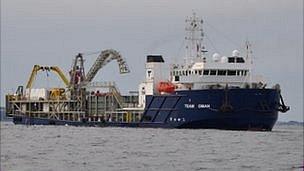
79	148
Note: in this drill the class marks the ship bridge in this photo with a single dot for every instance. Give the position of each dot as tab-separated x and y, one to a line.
199	71
234	71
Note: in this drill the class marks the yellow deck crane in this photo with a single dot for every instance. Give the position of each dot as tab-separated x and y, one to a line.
55	93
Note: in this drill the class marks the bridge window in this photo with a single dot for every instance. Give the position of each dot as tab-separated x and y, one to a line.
240	60
212	72
206	72
231	60
231	72
176	78
199	72
238	72
245	73
221	72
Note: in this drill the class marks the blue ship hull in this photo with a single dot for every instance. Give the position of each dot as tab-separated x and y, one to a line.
232	109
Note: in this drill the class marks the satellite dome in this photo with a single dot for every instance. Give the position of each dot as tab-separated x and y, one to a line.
235	53
224	59
216	57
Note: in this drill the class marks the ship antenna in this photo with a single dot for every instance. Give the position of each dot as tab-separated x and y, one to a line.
195	49
249	59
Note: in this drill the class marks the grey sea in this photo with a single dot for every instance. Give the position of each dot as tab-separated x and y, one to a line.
45	148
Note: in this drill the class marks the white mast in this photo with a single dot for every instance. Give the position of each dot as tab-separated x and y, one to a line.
194	39
249	59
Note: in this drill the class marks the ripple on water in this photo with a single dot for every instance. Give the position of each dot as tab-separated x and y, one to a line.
80	148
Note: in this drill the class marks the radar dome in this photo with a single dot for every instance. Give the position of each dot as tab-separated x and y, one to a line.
216	57
235	53
224	59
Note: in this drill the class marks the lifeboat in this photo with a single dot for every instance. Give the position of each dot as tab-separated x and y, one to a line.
165	87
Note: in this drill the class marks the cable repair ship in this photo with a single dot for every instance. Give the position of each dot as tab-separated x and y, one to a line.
218	92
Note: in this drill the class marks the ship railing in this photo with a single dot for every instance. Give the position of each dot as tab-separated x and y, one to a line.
100	84
112	88
123	116
117	96
62	115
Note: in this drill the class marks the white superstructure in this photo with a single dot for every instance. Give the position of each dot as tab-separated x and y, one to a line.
153	77
200	71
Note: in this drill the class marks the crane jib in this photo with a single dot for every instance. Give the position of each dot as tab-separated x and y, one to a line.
104	58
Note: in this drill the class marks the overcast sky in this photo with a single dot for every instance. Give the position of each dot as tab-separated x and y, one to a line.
52	32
